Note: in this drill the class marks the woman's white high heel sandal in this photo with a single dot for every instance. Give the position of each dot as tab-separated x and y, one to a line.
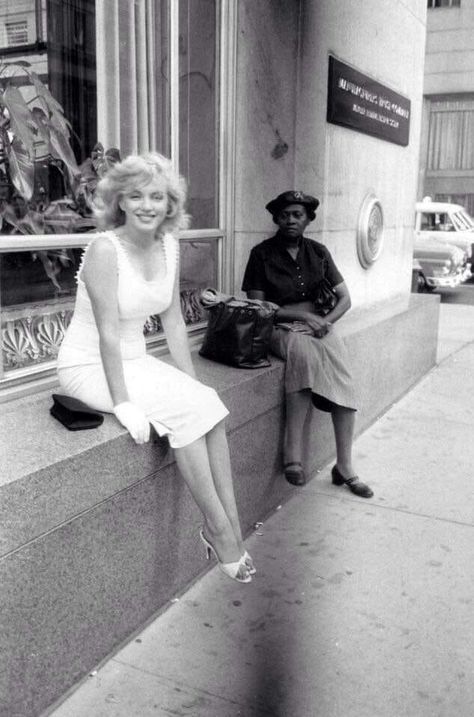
237	571
248	562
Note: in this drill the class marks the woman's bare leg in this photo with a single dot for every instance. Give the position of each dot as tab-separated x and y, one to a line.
297	406
219	459
344	421
193	463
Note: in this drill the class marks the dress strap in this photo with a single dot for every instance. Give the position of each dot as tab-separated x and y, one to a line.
110	234
171	246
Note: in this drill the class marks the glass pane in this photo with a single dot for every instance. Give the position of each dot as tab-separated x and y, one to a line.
198	121
198	271
199	264
37	291
451	135
428	222
49	161
20	23
161	141
72	69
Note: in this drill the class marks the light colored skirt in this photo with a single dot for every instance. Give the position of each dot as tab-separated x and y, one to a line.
177	405
322	365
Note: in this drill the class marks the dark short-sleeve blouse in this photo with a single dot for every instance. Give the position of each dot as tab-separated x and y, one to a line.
285	280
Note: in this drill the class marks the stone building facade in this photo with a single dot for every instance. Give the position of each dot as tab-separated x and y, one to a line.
447	150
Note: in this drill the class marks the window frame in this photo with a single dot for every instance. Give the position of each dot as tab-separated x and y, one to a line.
38	45
32	379
12	28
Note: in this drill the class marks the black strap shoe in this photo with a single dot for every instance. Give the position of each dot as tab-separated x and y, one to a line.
354	484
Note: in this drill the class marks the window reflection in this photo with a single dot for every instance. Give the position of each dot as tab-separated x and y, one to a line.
199	270
48	139
56	68
37	293
71	36
21	22
198	93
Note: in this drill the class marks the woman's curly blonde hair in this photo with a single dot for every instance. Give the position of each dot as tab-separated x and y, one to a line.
137	171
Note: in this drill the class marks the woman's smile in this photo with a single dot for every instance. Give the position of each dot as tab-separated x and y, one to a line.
145	217
146	206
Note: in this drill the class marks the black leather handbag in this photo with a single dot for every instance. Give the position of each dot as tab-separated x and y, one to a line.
74	414
238	332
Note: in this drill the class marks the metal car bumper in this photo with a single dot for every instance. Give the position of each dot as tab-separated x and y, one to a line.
447	282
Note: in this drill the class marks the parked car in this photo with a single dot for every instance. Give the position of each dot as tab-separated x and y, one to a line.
437	265
445	222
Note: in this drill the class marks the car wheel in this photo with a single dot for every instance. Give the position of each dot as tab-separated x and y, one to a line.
422	286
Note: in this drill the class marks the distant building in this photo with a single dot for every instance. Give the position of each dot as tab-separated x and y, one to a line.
447	145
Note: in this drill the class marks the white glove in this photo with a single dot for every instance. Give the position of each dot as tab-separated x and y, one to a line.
134	420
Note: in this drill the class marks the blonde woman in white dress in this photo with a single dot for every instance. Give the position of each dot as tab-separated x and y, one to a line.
128	272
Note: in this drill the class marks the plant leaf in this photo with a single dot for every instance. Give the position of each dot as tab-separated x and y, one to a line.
52	106
20	63
40	120
31	223
22	170
58	143
61	218
61	149
21	122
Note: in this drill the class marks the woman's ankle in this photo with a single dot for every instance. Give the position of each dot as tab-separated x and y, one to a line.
345	469
292	458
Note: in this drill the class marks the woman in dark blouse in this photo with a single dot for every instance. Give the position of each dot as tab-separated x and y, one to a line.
292	270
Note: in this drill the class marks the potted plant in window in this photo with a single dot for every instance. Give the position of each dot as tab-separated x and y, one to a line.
42	188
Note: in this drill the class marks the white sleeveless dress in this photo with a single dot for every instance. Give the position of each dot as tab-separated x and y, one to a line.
177	405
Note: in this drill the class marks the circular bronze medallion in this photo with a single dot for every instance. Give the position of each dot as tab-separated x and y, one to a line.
370	231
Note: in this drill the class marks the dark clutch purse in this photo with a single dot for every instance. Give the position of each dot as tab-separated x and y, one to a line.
238	332
74	414
326	298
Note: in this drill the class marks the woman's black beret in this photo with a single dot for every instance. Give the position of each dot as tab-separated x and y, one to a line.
292	197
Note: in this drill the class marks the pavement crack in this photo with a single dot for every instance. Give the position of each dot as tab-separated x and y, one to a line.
414	513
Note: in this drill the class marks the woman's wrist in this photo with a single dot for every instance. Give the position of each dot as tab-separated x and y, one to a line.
120	404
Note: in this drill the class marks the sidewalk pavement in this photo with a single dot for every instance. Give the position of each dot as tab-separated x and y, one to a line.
361	608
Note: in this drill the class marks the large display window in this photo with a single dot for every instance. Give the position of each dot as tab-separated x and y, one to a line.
82	84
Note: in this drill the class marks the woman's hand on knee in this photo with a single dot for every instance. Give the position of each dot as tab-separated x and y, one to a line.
133	418
323	330
318	325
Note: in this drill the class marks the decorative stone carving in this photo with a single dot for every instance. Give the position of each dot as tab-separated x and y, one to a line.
28	340
191	307
370	231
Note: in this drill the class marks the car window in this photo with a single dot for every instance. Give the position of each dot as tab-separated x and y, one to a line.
466	219
436	222
446	223
427	222
459	222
